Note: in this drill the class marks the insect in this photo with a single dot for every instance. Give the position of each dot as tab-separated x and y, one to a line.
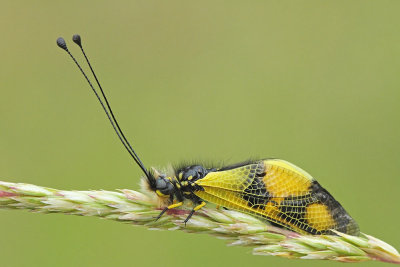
271	189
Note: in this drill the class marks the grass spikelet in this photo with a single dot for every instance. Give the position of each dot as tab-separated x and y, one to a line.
237	228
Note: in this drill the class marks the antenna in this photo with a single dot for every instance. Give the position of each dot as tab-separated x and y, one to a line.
77	39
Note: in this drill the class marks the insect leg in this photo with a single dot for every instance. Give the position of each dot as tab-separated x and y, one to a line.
199	206
161	213
168	208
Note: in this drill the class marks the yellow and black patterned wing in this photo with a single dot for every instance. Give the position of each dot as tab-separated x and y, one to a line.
280	192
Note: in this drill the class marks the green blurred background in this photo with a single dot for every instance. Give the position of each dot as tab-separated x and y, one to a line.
312	82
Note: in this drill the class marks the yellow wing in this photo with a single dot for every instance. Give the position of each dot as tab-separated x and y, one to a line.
280	192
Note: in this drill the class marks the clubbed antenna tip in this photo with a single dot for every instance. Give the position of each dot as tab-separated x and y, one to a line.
61	43
77	39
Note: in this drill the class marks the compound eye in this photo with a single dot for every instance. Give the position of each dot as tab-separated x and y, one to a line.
168	190
161	184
